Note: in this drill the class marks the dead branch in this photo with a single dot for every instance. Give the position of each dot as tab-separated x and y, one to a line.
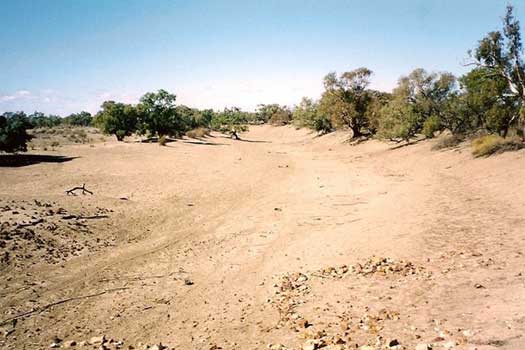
83	188
89	217
63	301
32	223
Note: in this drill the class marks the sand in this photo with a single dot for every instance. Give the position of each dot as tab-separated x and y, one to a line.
199	233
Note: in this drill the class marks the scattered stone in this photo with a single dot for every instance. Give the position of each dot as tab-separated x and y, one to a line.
97	340
393	342
70	343
423	346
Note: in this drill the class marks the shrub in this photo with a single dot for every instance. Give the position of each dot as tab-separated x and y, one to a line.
13	134
491	144
322	125
430	126
198	133
447	141
163	140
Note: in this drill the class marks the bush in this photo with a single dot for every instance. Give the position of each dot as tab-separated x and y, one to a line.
198	133
430	126
322	125
490	144
163	140
13	134
447	141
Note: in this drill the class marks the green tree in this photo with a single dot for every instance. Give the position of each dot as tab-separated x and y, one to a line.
40	120
274	114
417	105
232	120
487	102
306	114
346	99
378	100
159	115
117	119
13	134
79	119
501	54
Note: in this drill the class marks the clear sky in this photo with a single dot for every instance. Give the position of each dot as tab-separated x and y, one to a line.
63	56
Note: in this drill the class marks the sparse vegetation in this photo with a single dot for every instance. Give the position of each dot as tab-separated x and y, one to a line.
447	140
198	133
490	98
163	140
491	144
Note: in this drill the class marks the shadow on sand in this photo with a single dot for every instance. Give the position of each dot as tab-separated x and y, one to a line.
205	143
20	160
245	140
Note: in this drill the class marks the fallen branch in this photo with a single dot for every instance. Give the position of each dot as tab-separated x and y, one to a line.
63	301
89	217
32	223
83	188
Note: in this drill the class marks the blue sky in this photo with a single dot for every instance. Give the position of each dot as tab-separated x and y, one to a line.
62	56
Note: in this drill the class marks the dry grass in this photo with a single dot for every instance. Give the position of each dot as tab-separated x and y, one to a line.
446	141
198	133
44	138
490	144
163	140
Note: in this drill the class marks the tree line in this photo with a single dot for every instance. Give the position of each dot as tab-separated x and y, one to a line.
489	98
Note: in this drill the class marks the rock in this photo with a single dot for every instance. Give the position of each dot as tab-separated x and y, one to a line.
70	343
310	344
97	340
302	323
334	347
468	333
423	346
188	282
393	343
54	345
449	345
56	339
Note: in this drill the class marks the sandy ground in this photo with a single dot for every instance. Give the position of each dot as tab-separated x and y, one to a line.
283	240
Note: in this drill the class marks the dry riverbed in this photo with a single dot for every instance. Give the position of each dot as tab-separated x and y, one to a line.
281	241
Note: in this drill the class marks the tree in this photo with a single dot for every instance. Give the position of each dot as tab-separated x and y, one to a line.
117	119
306	114
40	120
13	134
418	104
345	100
159	116
487	102
378	100
232	120
274	114
500	53
79	119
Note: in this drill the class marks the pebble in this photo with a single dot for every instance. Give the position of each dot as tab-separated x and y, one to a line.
423	346
70	343
97	340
